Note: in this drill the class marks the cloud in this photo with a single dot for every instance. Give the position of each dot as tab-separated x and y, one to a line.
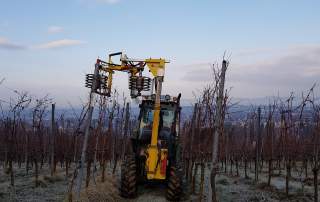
60	44
301	62
298	65
294	69
108	1
8	45
198	72
54	29
201	73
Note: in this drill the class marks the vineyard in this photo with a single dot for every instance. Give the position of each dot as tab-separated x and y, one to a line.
263	153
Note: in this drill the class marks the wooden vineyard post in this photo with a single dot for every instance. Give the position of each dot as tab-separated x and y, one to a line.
52	139
86	135
258	145
218	130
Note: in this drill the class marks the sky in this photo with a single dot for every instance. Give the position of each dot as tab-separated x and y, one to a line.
47	47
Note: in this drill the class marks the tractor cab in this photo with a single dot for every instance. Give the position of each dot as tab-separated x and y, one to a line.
168	120
168	128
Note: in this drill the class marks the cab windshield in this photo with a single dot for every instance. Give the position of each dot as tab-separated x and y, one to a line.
165	123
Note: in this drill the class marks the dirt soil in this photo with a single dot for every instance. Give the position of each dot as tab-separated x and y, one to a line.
50	189
229	188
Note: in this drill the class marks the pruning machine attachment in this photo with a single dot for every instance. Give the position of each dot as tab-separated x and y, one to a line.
155	145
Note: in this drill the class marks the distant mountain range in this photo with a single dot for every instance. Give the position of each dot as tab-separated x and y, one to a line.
238	110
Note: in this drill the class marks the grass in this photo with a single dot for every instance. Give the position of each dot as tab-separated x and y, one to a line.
223	181
53	179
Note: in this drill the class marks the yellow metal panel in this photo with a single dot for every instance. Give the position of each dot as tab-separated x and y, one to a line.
153	149
109	80
156	172
156	66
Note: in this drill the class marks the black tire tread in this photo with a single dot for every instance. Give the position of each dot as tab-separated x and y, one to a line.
174	189
128	187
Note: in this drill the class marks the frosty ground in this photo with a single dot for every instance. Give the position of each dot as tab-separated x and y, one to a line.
229	188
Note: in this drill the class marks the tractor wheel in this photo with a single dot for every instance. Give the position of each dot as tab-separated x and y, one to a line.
128	188
174	189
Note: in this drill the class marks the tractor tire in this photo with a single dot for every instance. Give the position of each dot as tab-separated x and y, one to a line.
128	187
174	188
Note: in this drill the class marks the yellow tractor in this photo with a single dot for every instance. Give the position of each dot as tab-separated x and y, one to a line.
155	153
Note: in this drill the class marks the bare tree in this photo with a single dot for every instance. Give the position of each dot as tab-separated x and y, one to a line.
12	123
38	114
